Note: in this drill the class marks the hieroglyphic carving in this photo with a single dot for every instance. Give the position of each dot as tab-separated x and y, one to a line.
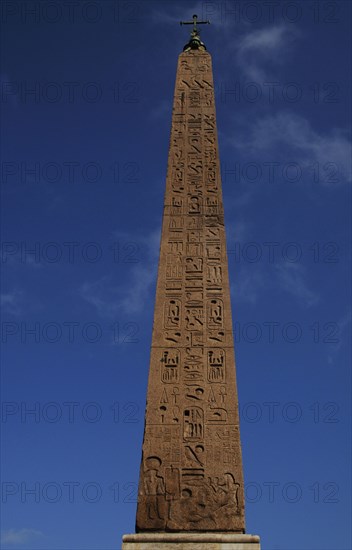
170	366
216	365
193	367
194	205
213	250
164	398
195	189
211	206
194	166
213	233
172	336
217	415
193	424
216	336
191	473
194	265
194	249
173	267
176	208
194	297
185	66
194	392
194	318
215	313
194	222
178	177
175	247
172	313
194	454
195	338
214	276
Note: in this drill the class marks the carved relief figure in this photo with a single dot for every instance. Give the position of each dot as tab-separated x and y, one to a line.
154	488
173	488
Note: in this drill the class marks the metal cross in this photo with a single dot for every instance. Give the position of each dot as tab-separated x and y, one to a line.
195	22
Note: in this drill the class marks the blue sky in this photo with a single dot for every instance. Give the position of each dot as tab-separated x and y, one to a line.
86	98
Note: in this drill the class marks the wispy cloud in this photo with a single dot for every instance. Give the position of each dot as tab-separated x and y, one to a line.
110	300
261	50
162	109
287	278
247	286
20	536
12	302
236	231
287	133
165	17
169	14
241	199
335	347
291	279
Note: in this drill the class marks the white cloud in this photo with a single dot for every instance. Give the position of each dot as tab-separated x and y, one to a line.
263	39
257	51
20	536
290	134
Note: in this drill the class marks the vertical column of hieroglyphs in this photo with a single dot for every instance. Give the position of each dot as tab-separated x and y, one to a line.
191	470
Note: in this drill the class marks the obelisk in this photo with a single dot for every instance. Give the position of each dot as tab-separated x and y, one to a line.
191	492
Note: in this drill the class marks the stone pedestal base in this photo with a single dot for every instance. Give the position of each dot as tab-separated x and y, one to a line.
190	541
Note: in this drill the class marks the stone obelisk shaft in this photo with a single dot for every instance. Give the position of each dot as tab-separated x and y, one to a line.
191	472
